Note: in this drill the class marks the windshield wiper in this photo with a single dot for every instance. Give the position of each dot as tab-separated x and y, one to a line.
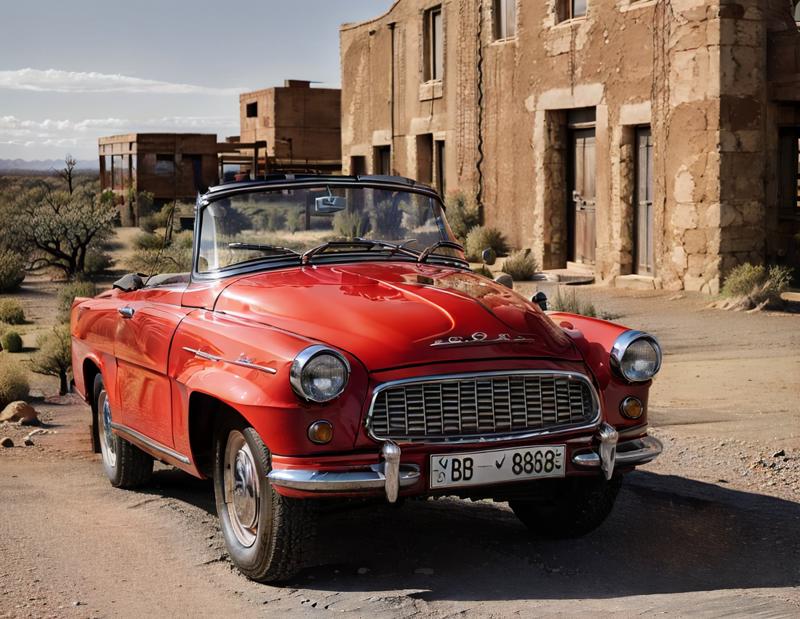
366	243
261	247
423	257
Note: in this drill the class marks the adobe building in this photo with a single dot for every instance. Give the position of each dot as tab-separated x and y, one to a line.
300	125
654	142
171	166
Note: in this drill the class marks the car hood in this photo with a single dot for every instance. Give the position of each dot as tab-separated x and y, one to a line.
394	314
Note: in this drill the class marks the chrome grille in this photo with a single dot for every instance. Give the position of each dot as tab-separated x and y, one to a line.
482	405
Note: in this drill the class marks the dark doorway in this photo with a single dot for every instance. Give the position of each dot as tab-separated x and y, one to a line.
643	207
440	167
358	166
583	237
383	160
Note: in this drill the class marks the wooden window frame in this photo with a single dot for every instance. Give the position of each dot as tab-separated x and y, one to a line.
433	67
503	28
789	164
565	11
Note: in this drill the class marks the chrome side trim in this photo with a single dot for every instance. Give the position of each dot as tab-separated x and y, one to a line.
638	451
480	438
242	361
133	435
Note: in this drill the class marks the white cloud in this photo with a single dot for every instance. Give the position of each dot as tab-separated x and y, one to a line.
55	80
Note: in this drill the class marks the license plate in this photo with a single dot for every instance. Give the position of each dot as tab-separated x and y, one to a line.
496	466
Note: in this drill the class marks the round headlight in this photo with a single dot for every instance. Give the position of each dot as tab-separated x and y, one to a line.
319	374
636	356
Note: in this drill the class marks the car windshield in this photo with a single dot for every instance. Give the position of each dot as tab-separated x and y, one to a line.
272	226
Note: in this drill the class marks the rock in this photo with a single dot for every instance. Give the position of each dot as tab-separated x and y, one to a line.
363	570
779	454
7	441
28	442
20	411
426	571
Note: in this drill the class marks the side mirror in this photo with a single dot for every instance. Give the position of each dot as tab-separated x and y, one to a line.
506	280
329	204
488	256
540	299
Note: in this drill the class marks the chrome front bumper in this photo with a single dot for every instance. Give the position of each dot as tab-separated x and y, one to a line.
389	475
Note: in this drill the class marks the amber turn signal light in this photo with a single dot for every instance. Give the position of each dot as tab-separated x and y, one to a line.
631	407
320	432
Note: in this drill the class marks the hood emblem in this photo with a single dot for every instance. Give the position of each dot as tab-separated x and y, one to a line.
479	337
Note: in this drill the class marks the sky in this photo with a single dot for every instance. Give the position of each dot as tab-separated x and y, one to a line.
73	71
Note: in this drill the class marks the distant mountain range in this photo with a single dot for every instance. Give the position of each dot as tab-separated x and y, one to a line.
45	165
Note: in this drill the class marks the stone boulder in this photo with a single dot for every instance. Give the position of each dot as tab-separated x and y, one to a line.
20	411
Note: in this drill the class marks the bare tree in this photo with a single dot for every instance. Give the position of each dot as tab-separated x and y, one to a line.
54	356
69	171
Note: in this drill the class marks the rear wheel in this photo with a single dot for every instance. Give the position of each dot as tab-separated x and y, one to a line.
266	534
126	465
576	507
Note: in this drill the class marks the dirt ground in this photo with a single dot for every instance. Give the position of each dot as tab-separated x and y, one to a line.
709	529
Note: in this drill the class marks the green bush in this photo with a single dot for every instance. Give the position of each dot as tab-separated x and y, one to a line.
570	302
12	271
757	285
350	224
386	221
54	356
484	237
13	382
521	265
11	312
148	240
11	341
96	262
462	214
69	292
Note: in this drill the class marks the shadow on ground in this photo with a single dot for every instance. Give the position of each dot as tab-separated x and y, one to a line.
666	535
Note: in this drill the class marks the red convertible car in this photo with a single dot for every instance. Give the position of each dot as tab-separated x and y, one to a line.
332	342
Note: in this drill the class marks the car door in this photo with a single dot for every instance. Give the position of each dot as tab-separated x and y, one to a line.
145	326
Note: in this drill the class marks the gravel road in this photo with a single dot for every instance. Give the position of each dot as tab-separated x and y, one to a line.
710	529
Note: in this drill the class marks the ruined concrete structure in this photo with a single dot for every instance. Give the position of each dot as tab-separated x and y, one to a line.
171	166
300	125
654	141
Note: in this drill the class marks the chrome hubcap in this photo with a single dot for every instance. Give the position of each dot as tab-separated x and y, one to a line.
241	488
107	444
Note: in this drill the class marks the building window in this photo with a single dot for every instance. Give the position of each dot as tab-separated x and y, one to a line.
438	155
505	19
433	46
382	163
796	11
251	109
165	165
789	171
570	9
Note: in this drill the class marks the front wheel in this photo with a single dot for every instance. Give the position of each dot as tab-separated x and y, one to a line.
574	508
266	534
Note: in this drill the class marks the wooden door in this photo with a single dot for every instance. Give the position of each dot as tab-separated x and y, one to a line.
643	208
582	196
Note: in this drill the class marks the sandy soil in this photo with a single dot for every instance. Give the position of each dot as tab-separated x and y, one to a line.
709	529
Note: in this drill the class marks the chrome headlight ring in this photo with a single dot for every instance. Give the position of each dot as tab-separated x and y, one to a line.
304	362
622	345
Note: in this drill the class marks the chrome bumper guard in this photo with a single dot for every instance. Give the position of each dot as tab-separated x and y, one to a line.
389	475
611	453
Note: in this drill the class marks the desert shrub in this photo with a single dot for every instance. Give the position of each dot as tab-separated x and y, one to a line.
484	237
148	240
521	265
54	356
12	271
172	259
294	220
386	220
97	261
276	219
11	312
11	341
69	292
13	382
462	214
752	286
350	224
572	304
233	221
183	239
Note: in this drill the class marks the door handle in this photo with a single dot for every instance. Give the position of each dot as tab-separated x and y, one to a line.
126	312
